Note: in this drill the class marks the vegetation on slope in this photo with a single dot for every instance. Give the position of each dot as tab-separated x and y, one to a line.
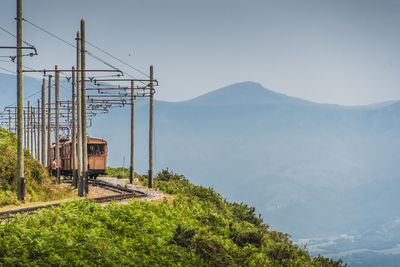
198	228
119	172
39	185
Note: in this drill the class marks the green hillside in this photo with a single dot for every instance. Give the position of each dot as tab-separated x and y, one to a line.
39	186
197	228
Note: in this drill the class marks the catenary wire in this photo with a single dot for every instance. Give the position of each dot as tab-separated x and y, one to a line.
90	53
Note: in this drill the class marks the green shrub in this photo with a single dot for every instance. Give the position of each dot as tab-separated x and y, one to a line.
166	175
38	180
245	213
183	236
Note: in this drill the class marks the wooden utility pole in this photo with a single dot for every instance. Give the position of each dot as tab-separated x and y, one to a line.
33	134
38	132
49	159
20	105
16	120
79	111
57	131
151	128
28	126
73	152
68	121
32	116
24	128
132	169
44	122
9	120
84	122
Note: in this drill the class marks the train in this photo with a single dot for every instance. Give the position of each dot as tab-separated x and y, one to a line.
97	150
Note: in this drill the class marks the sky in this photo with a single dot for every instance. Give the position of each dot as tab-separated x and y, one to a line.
338	51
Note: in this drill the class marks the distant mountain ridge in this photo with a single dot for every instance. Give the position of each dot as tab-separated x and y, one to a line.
244	93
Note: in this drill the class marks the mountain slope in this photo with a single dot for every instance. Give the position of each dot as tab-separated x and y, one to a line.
244	93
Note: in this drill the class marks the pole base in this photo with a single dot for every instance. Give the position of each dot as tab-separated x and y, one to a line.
21	188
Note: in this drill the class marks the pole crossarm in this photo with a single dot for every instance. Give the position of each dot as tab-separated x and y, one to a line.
21	47
71	70
125	80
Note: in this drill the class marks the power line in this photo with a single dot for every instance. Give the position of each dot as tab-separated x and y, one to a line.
68	43
13	72
46	31
13	35
90	53
120	60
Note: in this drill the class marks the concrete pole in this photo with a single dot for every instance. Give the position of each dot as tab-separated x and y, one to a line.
132	169
73	152
57	131
20	105
151	128
79	111
84	122
32	116
68	121
34	150
28	124
49	159
16	120
9	120
44	122
38	132
24	128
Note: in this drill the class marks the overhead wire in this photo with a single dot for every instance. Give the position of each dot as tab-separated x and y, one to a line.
90	53
13	72
13	35
72	45
120	60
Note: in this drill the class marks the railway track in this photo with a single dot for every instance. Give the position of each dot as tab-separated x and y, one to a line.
124	193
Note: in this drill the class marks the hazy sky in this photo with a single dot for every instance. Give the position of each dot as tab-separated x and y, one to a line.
337	51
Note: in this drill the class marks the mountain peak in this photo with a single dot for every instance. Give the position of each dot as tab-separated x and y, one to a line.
243	93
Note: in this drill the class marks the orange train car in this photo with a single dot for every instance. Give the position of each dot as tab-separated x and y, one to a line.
97	157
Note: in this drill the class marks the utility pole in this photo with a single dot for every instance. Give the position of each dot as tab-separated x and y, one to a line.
9	120
28	126
57	131
151	128
44	122
68	121
32	116
20	105
33	134
79	109
132	169
16	120
24	128
49	159
84	122
38	132
73	152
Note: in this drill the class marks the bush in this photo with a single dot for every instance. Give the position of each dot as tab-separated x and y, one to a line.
183	236
166	175
246	237
245	213
38	186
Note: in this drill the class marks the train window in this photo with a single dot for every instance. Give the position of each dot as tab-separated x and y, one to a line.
95	149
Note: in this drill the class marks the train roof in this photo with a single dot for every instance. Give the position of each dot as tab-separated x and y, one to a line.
91	140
